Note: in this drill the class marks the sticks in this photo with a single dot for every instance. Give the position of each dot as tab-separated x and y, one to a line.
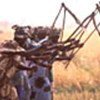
72	14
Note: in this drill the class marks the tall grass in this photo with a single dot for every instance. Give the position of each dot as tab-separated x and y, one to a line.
80	81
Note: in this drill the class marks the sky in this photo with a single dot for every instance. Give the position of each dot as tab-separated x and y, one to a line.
42	12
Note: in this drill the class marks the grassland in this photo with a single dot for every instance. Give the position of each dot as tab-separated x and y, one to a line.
80	81
77	84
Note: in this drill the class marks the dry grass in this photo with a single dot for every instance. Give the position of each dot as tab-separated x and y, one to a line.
80	81
78	96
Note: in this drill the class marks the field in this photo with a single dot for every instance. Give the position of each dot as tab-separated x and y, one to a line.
81	80
77	83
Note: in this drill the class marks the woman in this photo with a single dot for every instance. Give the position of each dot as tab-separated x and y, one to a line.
40	84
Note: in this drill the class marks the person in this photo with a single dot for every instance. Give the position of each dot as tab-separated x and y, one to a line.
40	84
20	79
39	81
42	79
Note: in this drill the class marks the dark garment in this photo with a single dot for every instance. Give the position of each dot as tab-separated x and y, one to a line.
40	85
21	83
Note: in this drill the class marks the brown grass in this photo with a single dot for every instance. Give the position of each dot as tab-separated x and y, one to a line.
80	81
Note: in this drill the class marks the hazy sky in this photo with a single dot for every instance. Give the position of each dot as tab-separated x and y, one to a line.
41	12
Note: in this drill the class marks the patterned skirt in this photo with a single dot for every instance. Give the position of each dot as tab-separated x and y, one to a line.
40	85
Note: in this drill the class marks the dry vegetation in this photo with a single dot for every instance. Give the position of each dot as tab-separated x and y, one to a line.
81	80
